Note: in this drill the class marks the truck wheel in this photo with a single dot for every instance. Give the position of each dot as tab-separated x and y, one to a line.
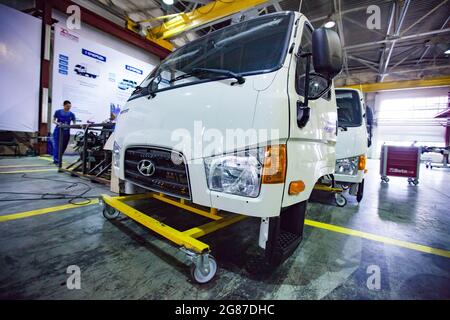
340	200
110	213
199	276
360	194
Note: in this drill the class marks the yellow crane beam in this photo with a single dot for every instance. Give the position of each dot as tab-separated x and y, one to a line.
182	22
407	84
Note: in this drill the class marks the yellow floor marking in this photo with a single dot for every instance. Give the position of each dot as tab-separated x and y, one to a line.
26	171
24	166
31	213
49	158
312	223
374	237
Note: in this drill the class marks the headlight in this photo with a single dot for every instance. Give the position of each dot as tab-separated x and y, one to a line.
348	166
116	154
238	173
242	173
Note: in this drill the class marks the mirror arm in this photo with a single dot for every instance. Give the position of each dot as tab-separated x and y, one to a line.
306	55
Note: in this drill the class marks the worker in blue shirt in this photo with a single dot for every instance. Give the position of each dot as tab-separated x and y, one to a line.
62	116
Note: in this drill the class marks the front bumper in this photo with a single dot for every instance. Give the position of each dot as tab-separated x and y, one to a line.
350	179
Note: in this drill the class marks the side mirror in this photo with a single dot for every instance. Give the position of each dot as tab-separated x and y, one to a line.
327	52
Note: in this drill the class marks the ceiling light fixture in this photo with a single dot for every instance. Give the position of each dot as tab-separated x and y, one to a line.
330	24
447	51
168	2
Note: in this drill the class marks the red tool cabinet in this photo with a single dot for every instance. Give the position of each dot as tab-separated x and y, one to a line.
400	162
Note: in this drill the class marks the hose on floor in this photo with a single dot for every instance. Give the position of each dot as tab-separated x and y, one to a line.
54	196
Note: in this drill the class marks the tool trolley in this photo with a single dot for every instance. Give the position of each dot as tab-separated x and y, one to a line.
204	266
400	162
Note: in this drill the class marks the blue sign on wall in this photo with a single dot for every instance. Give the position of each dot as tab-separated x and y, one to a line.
133	69
63	65
93	55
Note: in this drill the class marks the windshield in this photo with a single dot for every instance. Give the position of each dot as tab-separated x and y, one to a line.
246	48
349	108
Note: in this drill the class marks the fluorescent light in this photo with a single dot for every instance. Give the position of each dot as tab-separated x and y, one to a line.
329	24
168	2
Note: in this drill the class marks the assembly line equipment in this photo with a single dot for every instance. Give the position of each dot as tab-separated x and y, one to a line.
204	266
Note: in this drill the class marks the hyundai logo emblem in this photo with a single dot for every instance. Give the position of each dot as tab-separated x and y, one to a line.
146	168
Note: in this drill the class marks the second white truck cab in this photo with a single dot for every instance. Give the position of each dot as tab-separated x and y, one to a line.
352	142
243	120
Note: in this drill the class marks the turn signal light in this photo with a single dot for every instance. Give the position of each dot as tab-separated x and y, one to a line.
274	170
362	162
295	187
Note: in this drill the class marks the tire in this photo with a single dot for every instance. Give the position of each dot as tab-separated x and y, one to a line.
110	213
199	277
360	194
340	200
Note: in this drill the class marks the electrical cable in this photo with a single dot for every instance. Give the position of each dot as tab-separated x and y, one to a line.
55	196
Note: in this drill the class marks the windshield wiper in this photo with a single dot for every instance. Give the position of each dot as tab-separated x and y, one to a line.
138	88
186	75
240	79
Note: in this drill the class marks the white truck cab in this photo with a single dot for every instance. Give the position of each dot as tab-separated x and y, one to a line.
352	142
224	122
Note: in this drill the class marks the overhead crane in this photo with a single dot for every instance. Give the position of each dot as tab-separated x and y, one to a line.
174	24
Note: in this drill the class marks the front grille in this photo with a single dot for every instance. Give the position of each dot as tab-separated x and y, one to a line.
165	175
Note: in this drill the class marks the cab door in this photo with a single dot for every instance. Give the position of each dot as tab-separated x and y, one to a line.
313	128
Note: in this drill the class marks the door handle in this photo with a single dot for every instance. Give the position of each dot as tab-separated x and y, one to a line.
303	114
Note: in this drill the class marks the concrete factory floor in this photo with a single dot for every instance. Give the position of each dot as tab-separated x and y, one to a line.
122	260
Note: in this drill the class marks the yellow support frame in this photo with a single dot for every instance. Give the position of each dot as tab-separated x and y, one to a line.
187	238
323	187
406	84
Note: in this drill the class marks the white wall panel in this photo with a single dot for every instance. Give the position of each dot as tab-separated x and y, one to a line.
20	60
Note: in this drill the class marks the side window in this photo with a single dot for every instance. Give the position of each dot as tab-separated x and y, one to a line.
305	46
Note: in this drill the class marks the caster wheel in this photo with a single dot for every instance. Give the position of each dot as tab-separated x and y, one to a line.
415	182
341	201
199	277
110	213
385	179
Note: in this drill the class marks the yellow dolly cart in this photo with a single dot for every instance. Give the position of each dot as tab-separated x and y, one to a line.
339	198
204	266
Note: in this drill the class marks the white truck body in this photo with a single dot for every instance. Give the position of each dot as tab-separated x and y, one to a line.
193	117
352	140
